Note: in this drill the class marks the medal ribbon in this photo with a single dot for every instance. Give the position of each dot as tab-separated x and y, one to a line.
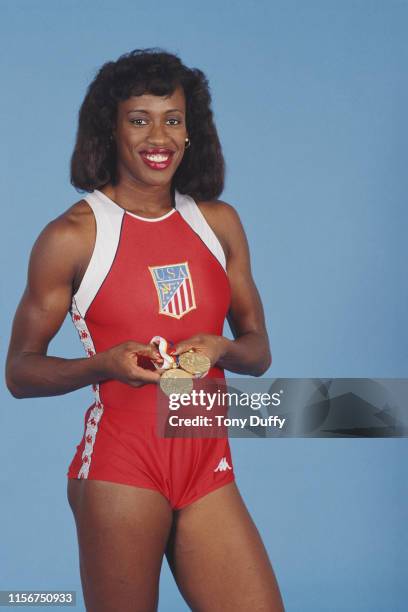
162	345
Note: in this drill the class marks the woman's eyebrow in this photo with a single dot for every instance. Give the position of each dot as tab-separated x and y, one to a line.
142	110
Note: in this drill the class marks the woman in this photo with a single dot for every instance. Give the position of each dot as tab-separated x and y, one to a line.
148	251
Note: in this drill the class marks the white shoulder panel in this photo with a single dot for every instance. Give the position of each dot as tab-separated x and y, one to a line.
192	214
108	225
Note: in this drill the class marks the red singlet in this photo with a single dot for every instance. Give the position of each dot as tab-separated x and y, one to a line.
146	277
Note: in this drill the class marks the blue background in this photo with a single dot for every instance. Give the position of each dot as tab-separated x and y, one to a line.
310	102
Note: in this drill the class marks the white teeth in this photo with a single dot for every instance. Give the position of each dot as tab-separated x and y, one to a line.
157	157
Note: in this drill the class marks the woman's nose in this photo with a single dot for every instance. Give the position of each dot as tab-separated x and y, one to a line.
158	132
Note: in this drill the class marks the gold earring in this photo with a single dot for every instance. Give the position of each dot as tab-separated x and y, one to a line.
188	143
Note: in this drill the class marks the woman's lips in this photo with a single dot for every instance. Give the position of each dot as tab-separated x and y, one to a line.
158	161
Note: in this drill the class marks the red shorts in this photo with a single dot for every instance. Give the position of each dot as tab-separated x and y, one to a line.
130	451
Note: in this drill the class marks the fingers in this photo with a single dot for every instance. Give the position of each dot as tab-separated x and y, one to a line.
182	347
145	354
196	342
149	350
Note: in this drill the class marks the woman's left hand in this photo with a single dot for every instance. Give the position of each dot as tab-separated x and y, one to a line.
211	345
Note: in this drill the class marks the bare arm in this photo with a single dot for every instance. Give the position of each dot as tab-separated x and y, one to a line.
249	352
53	265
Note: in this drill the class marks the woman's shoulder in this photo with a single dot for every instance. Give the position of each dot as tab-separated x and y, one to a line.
72	222
77	213
70	234
224	220
217	207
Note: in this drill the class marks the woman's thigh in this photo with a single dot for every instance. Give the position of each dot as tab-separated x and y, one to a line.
122	533
218	559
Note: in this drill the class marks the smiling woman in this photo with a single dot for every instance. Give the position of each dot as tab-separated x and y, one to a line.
137	80
148	258
165	124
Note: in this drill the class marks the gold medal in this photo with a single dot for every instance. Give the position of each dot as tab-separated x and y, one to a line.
176	380
194	362
179	371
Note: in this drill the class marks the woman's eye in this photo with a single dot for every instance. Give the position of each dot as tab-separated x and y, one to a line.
139	121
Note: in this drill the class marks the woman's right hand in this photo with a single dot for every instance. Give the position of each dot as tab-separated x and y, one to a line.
125	362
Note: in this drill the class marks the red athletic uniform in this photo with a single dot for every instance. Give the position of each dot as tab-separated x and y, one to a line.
148	277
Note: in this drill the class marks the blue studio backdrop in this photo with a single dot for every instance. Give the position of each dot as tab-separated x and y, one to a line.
310	103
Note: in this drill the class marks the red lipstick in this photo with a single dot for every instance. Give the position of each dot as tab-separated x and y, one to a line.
157	164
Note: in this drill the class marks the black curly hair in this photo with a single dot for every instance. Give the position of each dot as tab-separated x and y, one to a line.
201	172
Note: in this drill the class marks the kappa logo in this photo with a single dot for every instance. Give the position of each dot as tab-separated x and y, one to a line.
223	466
174	288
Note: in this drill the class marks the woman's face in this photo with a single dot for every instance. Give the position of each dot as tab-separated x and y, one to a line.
150	137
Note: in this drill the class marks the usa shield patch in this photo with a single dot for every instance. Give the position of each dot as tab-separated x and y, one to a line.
174	288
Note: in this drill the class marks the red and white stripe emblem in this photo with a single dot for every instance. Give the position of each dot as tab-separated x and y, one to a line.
174	289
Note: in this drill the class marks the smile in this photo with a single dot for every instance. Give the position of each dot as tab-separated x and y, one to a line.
157	161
